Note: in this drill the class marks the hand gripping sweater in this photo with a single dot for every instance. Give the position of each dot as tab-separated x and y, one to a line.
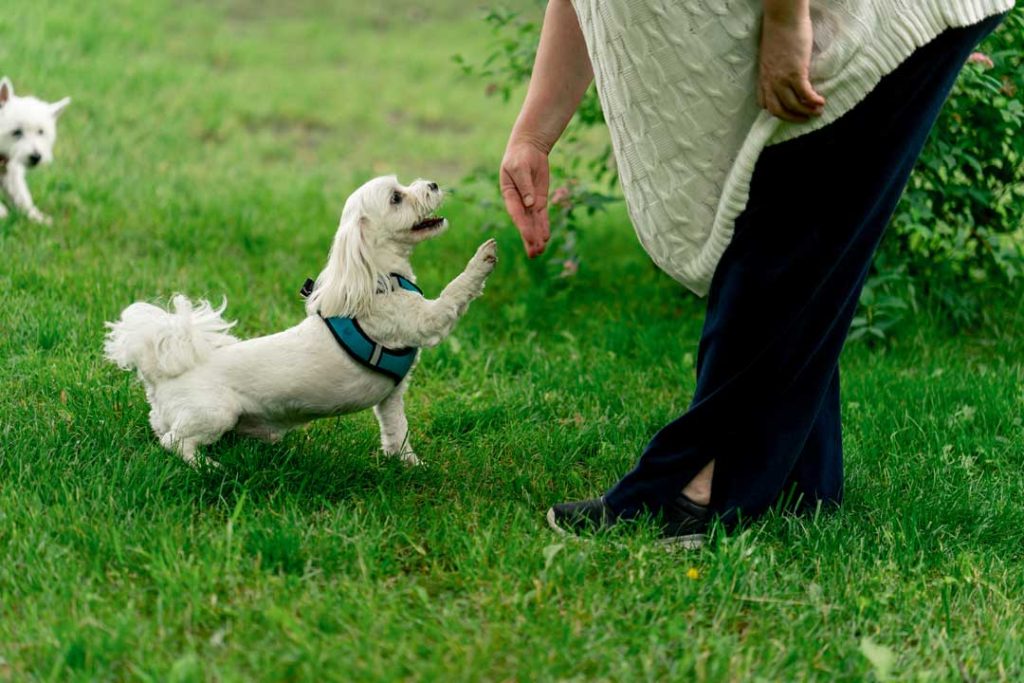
677	82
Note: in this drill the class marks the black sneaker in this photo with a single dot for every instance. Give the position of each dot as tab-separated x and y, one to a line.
682	523
582	518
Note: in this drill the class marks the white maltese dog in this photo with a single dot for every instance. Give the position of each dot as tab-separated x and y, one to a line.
365	322
28	129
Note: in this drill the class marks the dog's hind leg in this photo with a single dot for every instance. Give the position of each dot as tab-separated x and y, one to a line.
186	449
157	422
394	427
196	428
262	431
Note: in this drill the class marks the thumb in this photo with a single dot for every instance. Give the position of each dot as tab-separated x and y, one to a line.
523	180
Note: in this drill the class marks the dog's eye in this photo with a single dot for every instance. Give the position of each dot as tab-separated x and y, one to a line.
17	132
396	197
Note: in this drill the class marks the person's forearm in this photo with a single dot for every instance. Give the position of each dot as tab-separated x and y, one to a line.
786	10
561	74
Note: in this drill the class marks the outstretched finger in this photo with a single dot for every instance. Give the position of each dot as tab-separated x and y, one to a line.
521	216
541	231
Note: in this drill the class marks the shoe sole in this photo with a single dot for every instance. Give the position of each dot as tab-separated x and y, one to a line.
688	542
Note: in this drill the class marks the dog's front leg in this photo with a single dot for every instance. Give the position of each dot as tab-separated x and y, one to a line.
3	185
394	427
438	317
470	283
16	189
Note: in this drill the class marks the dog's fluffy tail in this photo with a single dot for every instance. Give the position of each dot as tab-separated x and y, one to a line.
162	344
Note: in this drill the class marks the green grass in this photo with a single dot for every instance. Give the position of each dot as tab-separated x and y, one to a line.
209	149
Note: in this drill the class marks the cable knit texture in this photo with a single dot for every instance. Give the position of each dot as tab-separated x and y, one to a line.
677	81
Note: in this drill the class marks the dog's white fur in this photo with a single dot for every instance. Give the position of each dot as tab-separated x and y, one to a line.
28	130
202	382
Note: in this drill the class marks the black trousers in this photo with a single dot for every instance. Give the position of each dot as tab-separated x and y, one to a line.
766	406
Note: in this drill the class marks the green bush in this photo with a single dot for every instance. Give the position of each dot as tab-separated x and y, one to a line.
957	234
959	229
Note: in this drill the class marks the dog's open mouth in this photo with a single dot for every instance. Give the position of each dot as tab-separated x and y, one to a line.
428	223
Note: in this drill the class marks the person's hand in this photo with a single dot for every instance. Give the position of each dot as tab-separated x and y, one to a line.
784	87
524	187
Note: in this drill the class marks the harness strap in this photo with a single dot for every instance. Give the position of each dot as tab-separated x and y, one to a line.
395	363
396	281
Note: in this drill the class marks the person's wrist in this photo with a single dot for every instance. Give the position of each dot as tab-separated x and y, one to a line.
538	142
786	12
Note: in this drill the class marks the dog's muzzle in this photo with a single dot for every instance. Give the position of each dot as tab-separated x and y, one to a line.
428	223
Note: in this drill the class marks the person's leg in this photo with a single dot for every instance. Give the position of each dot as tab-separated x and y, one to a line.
817	474
766	410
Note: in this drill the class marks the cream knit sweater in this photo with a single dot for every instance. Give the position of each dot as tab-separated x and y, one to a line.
677	78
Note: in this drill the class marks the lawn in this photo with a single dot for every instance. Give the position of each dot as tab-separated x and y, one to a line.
209	149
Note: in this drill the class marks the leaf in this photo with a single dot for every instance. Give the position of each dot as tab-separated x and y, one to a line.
881	658
858	333
185	668
550	552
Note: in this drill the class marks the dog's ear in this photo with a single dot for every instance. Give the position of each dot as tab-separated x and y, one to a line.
59	106
6	90
346	286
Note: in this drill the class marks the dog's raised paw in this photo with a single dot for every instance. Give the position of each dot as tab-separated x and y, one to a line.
488	252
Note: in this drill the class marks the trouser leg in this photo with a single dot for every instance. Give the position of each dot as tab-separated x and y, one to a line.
766	407
817	474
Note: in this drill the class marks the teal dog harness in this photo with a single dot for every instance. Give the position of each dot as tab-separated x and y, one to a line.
395	363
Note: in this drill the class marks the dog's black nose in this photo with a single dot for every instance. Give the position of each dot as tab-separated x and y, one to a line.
34	159
433	187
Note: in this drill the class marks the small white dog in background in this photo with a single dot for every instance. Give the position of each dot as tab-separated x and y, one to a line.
28	129
201	382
